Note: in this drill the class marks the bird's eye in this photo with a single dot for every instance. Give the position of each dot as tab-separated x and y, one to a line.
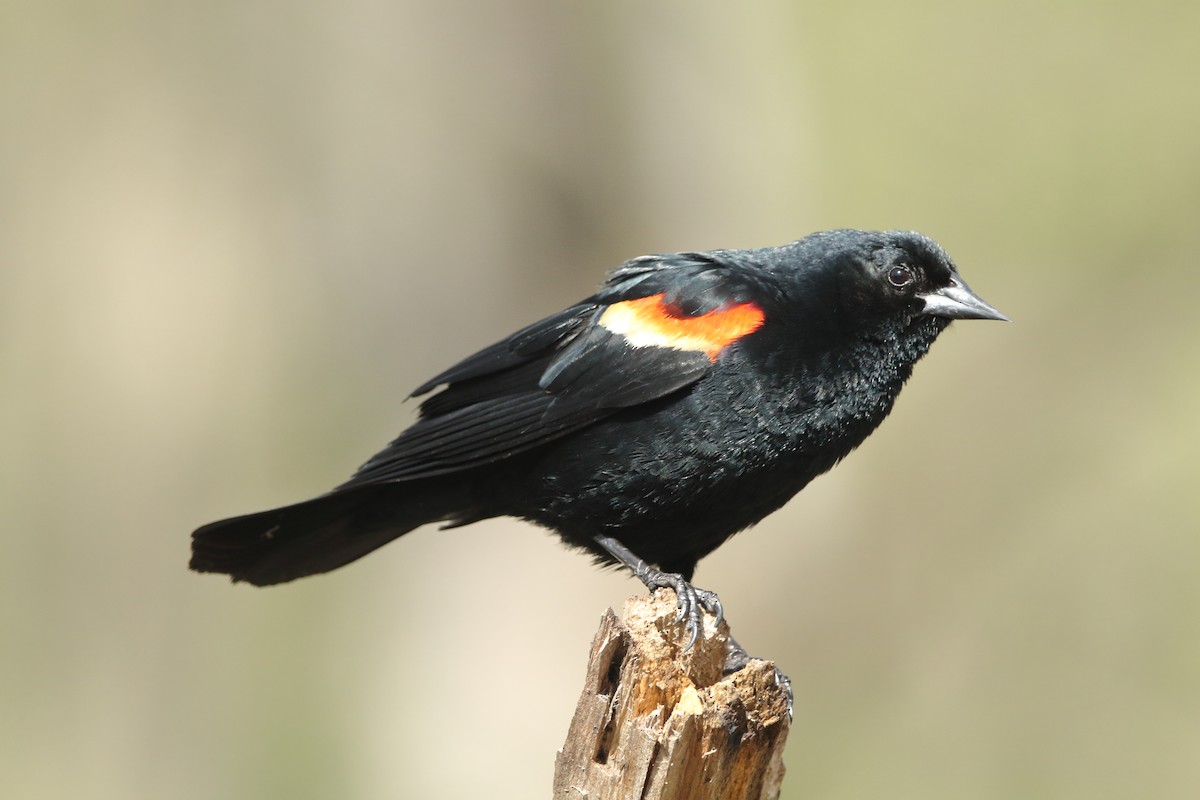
900	276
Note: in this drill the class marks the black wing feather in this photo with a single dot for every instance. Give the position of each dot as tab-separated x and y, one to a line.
527	343
468	438
558	375
481	389
602	369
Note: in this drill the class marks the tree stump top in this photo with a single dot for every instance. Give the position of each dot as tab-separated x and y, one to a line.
654	723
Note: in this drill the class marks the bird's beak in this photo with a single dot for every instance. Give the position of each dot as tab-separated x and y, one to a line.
957	301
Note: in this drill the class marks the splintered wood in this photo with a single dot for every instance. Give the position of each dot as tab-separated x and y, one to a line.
655	724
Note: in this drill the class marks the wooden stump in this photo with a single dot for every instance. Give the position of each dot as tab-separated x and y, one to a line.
656	724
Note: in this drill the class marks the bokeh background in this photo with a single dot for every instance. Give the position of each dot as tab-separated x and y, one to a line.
233	235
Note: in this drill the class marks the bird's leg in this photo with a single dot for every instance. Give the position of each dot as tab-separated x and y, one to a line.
736	657
691	600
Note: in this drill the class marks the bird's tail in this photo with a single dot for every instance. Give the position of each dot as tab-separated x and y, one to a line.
317	535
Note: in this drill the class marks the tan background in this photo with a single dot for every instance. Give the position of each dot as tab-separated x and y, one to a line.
233	235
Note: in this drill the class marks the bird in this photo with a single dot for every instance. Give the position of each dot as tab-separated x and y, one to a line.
689	397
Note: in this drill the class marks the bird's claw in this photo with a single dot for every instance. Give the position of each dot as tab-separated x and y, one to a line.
785	684
692	602
737	658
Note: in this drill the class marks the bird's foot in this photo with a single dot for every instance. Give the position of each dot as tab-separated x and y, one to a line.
692	601
736	658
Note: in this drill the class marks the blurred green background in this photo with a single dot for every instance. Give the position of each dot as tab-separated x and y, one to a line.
233	235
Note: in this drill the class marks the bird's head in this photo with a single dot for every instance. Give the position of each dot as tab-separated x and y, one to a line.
909	273
893	277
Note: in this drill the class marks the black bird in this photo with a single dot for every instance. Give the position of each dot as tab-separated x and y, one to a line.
691	396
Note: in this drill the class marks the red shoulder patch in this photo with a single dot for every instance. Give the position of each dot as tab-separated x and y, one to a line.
649	322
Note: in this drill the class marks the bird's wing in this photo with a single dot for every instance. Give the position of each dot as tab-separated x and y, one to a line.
657	326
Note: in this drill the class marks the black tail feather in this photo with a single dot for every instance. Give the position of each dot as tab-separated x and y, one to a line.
315	536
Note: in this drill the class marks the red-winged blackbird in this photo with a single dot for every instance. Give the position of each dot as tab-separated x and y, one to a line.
691	396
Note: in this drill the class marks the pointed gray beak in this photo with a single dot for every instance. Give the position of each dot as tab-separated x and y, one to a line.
957	301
